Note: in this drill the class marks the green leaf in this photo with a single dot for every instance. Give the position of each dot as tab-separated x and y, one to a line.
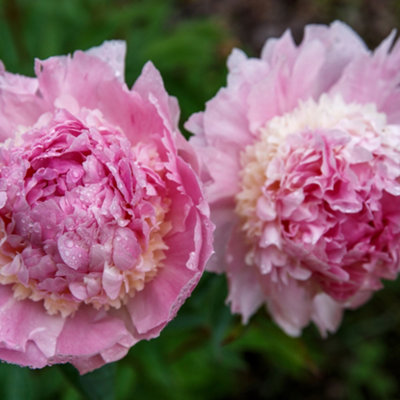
96	385
16	382
288	354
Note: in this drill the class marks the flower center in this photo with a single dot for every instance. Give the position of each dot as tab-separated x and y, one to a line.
315	190
83	216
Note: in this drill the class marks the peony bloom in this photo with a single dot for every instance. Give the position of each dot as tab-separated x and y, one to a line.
104	230
302	150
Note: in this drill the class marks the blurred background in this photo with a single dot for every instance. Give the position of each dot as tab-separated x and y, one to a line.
205	353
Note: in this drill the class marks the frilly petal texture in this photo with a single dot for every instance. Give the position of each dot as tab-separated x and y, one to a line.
301	161
104	230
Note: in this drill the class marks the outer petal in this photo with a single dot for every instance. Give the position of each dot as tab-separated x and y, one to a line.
283	48
92	338
337	34
112	53
327	313
28	336
66	82
245	292
19	103
225	221
161	298
150	84
290	304
223	125
225	122
81	76
190	241
374	79
292	77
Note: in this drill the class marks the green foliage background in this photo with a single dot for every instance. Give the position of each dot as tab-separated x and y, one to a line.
206	352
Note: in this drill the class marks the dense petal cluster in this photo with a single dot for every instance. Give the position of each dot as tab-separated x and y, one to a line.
104	230
302	170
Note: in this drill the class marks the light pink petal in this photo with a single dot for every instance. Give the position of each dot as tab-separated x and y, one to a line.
243	71
290	304
153	307
111	281
20	104
327	313
112	53
90	332
73	253
268	98
31	356
276	50
24	325
225	122
150	85
78	290
225	220
245	292
223	169
88	364
126	249
100	89
304	77
160	300
3	199
381	72
336	34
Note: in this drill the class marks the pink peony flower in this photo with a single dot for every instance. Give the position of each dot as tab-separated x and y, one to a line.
104	229
302	150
